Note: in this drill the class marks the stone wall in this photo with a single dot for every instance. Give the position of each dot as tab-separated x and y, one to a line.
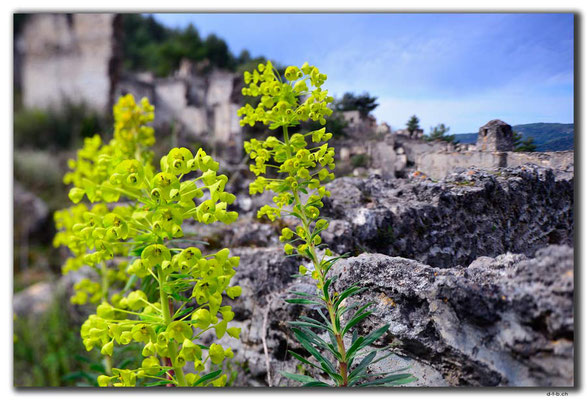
563	160
70	57
439	164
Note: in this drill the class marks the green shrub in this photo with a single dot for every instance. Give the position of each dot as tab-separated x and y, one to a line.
62	128
360	160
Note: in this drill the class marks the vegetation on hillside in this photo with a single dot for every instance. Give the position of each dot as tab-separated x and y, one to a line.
521	144
363	103
150	46
440	132
413	124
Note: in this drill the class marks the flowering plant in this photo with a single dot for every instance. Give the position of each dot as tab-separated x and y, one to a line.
128	234
303	163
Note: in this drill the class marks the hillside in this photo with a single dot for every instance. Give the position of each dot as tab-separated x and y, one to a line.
547	136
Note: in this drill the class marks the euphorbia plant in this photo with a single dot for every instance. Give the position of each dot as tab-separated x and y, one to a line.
130	233
302	163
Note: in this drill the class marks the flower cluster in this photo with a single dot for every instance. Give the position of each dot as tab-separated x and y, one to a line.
302	168
281	99
149	211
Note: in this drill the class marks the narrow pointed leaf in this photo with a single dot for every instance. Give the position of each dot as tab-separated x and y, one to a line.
302	301
355	321
302	359
359	369
398	379
373	336
208	377
316	384
298	377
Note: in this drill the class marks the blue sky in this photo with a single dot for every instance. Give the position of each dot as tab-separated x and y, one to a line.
459	69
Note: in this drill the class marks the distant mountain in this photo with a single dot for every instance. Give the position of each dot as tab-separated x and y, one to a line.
547	136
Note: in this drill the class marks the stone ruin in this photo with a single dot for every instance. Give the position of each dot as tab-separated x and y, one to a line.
495	135
77	58
69	58
401	153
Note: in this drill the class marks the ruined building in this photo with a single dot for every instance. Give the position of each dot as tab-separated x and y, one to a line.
70	58
77	58
495	135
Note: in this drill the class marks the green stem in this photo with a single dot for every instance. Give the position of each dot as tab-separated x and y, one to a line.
105	287
172	346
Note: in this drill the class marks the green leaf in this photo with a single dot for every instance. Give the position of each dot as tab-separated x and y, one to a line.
398	379
178	297
326	365
325	288
298	216
355	321
354	347
82	358
298	377
316	384
302	301
208	377
303	294
362	365
324	317
327	325
180	276
308	324
389	354
347	293
373	336
183	312
137	251
318	341
98	368
302	359
158	383
130	283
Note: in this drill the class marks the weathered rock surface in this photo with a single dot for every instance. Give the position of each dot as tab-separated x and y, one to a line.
502	321
451	222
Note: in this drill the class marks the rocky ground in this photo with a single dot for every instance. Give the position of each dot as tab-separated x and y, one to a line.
474	273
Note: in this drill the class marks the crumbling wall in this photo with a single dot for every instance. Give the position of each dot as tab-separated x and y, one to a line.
439	164
563	160
70	57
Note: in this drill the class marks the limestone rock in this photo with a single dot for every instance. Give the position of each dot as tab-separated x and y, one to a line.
503	321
